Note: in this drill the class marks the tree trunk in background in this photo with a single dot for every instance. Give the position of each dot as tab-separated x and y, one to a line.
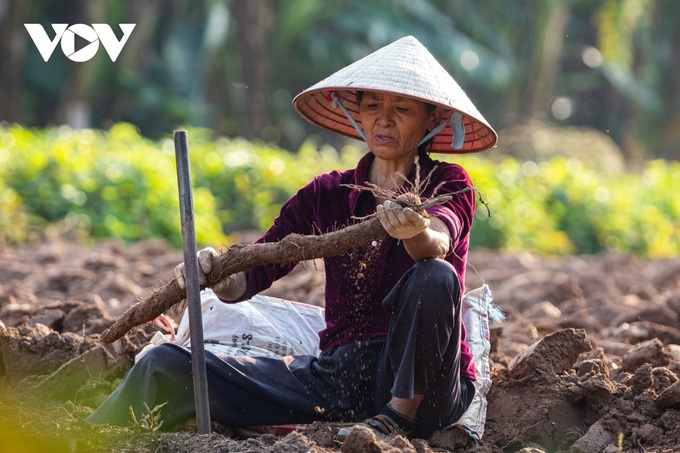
75	107
254	19
13	38
145	16
547	57
668	145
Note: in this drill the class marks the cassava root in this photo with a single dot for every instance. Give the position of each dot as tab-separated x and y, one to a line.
294	248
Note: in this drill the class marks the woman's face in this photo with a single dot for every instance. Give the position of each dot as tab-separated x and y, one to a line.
393	124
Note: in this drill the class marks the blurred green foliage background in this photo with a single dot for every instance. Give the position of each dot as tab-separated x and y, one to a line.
233	66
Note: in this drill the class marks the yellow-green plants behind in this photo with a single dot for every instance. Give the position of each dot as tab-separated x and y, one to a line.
118	183
251	181
516	193
112	184
562	207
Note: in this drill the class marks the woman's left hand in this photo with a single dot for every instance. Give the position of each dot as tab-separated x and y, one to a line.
399	222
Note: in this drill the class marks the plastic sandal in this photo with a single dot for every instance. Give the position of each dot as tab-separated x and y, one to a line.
383	426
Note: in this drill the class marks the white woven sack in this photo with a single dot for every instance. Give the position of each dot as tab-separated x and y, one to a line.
477	306
260	327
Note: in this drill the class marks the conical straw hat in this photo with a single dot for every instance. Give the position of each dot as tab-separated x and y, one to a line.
406	68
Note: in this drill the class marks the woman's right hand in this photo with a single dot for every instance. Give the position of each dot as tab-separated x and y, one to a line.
230	288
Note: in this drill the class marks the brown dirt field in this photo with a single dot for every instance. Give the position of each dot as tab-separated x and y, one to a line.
587	361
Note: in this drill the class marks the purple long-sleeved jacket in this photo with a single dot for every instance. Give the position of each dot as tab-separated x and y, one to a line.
358	280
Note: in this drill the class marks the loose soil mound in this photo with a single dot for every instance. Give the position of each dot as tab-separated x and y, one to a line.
587	361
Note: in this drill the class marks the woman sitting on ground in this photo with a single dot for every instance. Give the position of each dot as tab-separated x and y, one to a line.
393	350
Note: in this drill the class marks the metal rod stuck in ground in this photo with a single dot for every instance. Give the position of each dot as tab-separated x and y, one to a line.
193	289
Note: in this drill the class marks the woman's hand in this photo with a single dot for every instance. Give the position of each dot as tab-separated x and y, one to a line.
205	258
230	288
423	237
399	222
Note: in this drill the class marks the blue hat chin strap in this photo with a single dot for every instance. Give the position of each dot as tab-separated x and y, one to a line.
456	123
457	131
338	103
432	133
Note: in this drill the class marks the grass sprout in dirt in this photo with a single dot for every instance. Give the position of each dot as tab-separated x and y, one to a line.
31	425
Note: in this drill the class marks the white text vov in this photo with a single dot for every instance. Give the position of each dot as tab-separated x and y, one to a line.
66	34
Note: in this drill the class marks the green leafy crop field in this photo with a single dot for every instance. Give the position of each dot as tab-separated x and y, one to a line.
95	184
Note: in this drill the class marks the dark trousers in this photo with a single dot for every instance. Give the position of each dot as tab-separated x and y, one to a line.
420	355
